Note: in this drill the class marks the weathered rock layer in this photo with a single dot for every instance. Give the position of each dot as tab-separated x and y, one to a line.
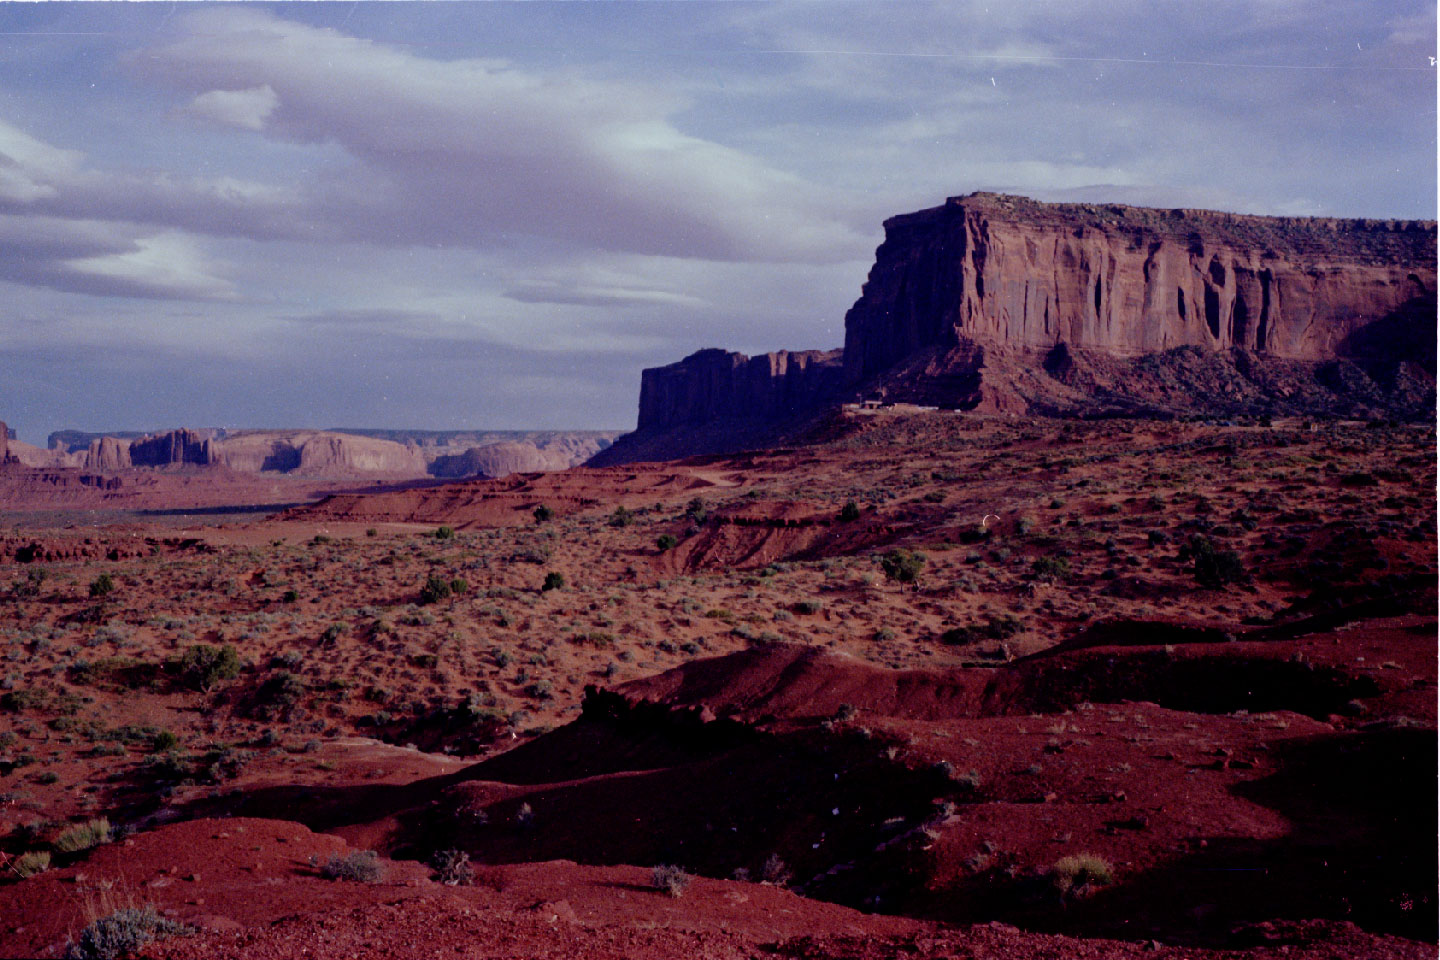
1003	304
714	384
1127	281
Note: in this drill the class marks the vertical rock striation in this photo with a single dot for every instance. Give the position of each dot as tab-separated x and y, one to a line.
714	384
1123	282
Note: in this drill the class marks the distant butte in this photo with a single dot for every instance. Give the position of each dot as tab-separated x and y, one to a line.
1005	305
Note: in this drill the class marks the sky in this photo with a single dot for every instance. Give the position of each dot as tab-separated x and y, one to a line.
494	215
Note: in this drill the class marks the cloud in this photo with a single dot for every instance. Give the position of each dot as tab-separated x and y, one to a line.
600	296
474	152
246	109
106	259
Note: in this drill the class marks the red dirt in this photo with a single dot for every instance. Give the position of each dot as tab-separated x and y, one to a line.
1253	753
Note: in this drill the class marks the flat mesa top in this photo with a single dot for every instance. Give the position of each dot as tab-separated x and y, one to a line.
1396	241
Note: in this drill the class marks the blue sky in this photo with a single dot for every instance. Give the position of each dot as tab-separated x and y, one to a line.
465	215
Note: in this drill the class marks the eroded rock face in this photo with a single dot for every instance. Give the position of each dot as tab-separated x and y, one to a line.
4	442
176	447
1005	305
108	454
338	453
715	384
1128	281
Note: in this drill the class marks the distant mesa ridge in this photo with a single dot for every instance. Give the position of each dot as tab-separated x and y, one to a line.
391	454
1003	304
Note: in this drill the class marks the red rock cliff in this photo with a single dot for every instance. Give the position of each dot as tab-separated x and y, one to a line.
175	447
713	384
1126	281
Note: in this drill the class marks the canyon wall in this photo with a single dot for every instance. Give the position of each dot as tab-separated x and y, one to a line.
1127	281
714	384
1003	304
174	448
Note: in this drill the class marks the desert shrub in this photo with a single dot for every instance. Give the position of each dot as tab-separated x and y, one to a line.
83	836
435	590
670	878
202	665
903	566
371	532
621	518
850	512
164	741
289	596
775	871
554	580
444	533
1079	874
29	864
34	579
809	607
1213	567
102	585
168	767
362	866
282	688
454	867
666	541
122	934
1051	568
994	628
525	817
543	513
459	586
696	511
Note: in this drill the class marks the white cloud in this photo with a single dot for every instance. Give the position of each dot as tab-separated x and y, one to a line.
473	152
168	262
247	109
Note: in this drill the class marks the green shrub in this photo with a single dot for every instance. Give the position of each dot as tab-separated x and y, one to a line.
543	513
903	566
670	878
454	868
164	741
102	585
621	518
202	665
554	580
444	533
1213	567
1078	874
1051	568
122	934
362	866
850	512
83	836
666	541
289	596
435	590
29	864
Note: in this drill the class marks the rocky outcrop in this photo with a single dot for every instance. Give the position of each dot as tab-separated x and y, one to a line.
175	448
334	453
108	454
713	385
1126	281
4	442
1003	304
